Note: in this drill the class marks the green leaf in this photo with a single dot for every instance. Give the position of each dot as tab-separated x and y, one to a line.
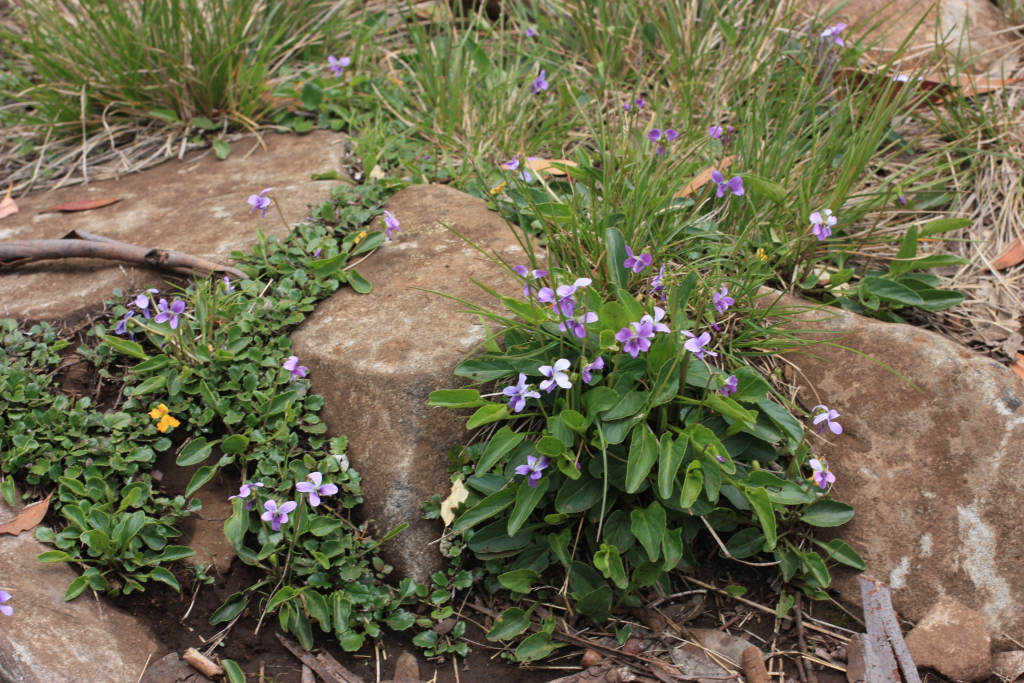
609	563
487	414
54	556
578	495
519	580
153	364
706	444
360	284
908	250
762	186
369	243
311	95
281	596
692	484
945	225
485	509
236	443
327	266
892	292
233	671
933	261
128	348
750	386
456	398
827	513
616	257
231	608
838	550
194	452
729	408
172	553
815	566
648	525
510	624
672	546
643	453
500	444
728	32
326	175
784	420
762	505
630	403
599	399
200	478
150	385
237	524
596	604
527	500
221	149
205	123
525	310
550	446
559	544
613	317
939	299
168	115
76	588
165	576
671	454
537	646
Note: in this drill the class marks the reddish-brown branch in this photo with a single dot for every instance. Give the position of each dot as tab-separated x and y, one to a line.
78	244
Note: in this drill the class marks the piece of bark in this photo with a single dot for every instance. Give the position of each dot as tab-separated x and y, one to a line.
200	663
880	607
407	670
78	244
307	675
753	666
326	666
887	670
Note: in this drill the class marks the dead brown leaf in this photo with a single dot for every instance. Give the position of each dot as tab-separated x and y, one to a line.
538	165
1018	366
1011	255
704	177
1009	665
82	205
7	205
929	89
459	493
29	518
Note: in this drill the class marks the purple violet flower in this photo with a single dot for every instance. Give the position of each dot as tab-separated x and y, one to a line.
640	103
656	283
566	304
716	133
338	65
695	344
316	488
227	284
142	302
533	467
277	515
577	324
598	364
518	393
530	32
169	312
296	370
637	337
6	609
734	184
833	33
557	375
391	224
824	415
540	83
260	202
822	476
822	222
722	300
637	263
316	254
245	491
655	322
524	272
122	327
902	200
512	165
730	387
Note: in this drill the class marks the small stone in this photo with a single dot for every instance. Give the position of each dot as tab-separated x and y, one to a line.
953	640
172	669
375	358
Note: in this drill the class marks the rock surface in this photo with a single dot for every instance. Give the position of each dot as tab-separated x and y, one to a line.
376	358
48	640
953	640
197	205
975	32
171	669
933	467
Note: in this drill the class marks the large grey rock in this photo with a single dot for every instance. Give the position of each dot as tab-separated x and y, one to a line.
197	205
931	458
952	639
376	358
48	640
973	34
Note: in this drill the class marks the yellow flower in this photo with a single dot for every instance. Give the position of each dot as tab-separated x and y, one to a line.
761	255
359	237
161	412
499	188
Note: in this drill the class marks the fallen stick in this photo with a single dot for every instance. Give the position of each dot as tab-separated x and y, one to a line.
753	666
307	675
78	244
326	666
200	663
